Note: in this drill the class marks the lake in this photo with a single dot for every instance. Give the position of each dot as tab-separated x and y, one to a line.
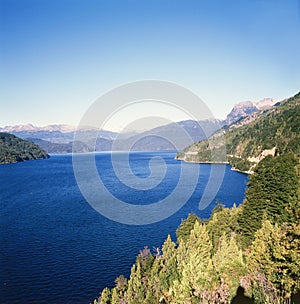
55	248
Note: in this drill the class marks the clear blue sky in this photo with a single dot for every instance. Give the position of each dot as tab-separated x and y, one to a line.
58	56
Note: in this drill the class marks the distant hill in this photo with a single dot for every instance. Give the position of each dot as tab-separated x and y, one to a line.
56	148
275	130
102	144
14	149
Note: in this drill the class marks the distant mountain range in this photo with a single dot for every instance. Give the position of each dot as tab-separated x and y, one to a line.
55	133
269	131
63	128
59	138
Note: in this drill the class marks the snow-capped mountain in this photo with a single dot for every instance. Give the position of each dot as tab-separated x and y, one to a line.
61	133
63	128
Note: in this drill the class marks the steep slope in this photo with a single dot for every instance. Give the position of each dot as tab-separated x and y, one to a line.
240	110
273	131
14	149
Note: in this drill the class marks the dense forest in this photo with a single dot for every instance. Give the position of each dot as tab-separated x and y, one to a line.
254	247
243	146
14	149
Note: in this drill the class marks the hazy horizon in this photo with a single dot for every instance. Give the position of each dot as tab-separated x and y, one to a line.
57	57
139	125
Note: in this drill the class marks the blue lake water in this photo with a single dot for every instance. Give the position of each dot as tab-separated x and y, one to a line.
55	248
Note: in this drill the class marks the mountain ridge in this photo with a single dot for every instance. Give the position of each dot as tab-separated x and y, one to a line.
58	138
271	131
66	128
159	138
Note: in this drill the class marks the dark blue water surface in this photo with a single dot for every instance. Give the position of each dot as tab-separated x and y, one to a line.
55	248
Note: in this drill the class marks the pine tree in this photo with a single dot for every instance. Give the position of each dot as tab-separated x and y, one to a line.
186	226
105	296
225	221
154	290
276	252
118	293
135	291
273	191
228	263
196	267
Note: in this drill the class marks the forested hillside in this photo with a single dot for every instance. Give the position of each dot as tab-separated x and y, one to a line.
14	149
255	245
275	131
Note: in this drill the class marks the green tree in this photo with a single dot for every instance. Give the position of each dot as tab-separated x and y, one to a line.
135	292
228	263
196	267
118	293
169	271
225	221
154	290
186	226
14	149
275	253
273	192
105	296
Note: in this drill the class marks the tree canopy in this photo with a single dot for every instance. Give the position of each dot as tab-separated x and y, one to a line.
255	245
14	149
